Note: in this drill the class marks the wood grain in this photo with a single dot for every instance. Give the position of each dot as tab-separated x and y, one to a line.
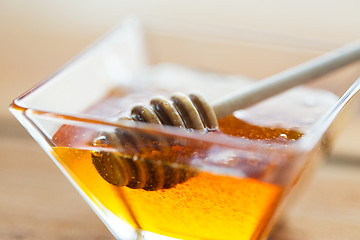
329	209
36	201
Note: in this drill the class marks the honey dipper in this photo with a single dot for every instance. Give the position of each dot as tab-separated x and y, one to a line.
194	112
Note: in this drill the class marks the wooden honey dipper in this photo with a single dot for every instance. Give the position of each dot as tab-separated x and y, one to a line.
194	112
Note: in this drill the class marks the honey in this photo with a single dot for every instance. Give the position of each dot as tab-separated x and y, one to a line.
205	205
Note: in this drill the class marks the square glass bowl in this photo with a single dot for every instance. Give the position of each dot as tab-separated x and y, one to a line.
158	182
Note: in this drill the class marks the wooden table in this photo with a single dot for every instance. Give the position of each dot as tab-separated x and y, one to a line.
37	202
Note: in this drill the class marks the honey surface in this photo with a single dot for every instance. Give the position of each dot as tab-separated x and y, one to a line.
207	206
204	206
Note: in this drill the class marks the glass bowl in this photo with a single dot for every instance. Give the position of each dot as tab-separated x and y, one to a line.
159	182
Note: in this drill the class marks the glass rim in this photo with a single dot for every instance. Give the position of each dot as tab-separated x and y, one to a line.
316	130
304	142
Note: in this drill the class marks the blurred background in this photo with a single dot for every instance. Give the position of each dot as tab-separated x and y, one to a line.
37	37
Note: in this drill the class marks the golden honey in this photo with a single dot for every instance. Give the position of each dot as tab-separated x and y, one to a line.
205	206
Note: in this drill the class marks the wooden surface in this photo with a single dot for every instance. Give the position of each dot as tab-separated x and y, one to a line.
37	202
